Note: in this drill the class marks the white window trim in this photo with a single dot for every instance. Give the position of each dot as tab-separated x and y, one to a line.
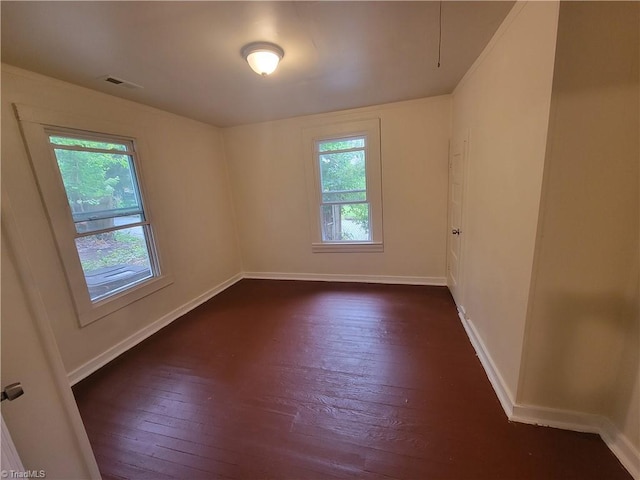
370	128
34	124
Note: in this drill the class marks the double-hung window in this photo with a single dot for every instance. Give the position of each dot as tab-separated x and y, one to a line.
344	180
344	209
90	186
112	234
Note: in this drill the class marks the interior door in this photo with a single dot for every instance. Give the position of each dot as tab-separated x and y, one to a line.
457	165
9	458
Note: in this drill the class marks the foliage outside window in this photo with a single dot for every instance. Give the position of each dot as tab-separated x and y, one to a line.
112	235
344	181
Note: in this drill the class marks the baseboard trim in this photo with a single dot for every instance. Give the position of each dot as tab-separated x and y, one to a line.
617	442
621	447
322	277
557	418
496	380
110	354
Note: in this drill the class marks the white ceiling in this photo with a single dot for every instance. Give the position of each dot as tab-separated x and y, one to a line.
186	55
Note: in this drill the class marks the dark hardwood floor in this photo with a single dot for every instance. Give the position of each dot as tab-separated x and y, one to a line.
294	380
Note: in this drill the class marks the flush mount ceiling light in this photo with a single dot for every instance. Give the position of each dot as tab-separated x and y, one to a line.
262	57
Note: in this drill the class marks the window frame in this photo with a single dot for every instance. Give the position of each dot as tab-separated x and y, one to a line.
312	137
36	125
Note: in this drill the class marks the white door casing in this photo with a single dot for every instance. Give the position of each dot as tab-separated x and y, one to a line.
10	460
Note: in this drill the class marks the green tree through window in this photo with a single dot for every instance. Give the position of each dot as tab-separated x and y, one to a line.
345	209
111	229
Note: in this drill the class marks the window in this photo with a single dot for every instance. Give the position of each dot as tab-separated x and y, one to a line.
112	234
90	187
345	187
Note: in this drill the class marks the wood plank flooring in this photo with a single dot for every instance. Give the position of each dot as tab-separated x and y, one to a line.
297	380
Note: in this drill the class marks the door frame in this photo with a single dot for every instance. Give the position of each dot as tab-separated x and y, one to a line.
10	459
45	333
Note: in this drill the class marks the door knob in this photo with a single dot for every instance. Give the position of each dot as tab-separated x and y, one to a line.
11	392
455	231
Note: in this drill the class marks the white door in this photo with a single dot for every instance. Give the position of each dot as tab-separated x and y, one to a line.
9	458
457	165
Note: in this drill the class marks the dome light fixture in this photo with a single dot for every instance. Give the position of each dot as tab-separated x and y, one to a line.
262	57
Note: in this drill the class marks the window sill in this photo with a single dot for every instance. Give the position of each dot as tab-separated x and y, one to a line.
111	304
348	247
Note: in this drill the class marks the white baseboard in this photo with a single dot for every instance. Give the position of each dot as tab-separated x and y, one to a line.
323	277
497	382
617	442
557	418
105	357
622	447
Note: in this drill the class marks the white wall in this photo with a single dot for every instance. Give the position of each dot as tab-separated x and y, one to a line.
583	339
187	190
503	101
551	254
267	171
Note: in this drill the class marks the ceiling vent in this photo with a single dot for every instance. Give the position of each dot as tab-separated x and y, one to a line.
120	82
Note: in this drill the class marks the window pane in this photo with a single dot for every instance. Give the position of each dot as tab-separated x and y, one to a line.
79	142
97	182
345	222
111	222
113	261
348	196
343	171
341	144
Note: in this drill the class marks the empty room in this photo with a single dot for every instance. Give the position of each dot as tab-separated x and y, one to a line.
315	240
